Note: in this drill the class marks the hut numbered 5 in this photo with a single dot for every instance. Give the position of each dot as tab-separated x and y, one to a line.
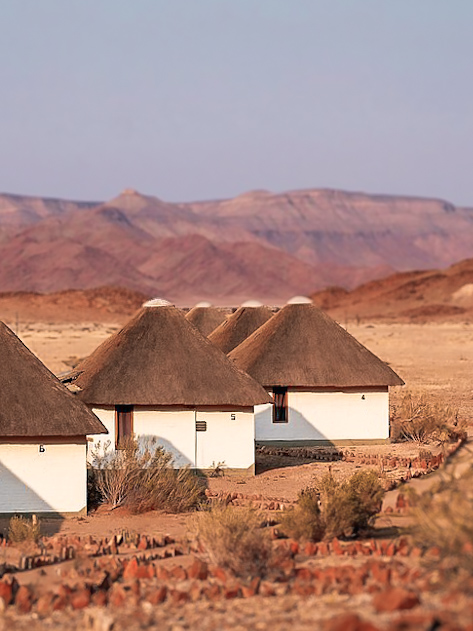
43	428
327	387
160	377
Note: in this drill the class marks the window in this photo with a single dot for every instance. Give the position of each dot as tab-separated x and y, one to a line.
123	423
280	411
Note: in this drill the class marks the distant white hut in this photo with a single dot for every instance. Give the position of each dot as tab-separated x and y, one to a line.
159	376
240	325
327	387
206	317
43	428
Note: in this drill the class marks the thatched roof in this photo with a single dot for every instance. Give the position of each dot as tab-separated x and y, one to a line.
33	402
206	318
303	346
161	359
239	326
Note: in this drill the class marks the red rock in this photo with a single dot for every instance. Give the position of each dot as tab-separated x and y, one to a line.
310	549
294	547
198	570
336	547
179	596
117	596
394	599
131	569
381	574
267	589
6	592
179	573
303	574
44	606
219	573
434	551
213	592
231	591
158	595
100	598
162	573
145	571
349	622
143	544
80	599
23	599
416	552
323	549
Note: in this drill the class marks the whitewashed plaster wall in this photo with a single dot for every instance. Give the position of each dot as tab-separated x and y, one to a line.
351	415
229	437
51	477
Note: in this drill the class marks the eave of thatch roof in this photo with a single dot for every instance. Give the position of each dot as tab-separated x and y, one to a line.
159	358
206	319
33	402
239	326
302	346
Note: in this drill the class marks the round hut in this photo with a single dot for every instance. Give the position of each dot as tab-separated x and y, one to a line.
43	436
327	387
159	376
206	317
240	325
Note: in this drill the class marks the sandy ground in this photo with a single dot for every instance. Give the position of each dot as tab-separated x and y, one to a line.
433	358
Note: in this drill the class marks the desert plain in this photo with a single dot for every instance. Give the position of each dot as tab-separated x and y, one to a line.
435	358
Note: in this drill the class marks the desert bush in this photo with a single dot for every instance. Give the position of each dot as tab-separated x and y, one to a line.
419	420
141	476
305	521
444	518
233	539
335	508
22	529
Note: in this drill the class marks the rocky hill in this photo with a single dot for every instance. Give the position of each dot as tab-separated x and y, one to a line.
260	244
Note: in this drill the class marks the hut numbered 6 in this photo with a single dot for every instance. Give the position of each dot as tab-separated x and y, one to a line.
327	387
43	429
160	377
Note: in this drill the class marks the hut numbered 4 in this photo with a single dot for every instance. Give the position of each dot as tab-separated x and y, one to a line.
160	377
327	387
43	429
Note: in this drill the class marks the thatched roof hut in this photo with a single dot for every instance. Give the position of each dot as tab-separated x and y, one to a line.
161	359
33	402
239	326
206	317
301	346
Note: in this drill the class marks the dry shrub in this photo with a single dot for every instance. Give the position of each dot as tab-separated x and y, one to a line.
22	529
419	420
234	539
305	521
336	508
141	476
444	519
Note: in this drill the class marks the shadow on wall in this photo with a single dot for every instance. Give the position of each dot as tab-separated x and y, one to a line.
16	498
292	443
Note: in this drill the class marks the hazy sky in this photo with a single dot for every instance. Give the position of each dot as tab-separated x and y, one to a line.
194	99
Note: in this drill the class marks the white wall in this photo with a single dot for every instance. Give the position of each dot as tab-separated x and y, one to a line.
328	416
227	440
175	432
54	480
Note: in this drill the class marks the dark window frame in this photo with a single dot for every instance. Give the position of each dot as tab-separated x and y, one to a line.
124	425
280	405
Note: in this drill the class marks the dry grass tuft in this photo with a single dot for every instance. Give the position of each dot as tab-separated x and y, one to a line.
234	539
141	476
22	529
419	420
336	508
444	519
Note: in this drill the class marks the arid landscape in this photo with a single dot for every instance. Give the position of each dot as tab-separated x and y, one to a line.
433	357
298	241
